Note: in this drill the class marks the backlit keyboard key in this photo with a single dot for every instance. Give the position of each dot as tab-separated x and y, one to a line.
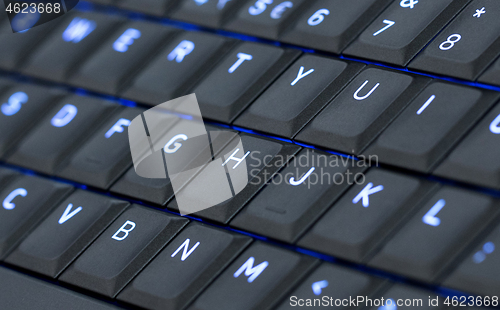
159	190
120	56
65	233
177	68
297	196
331	284
299	94
467	46
427	129
475	159
16	46
69	44
184	268
24	202
122	250
258	279
479	273
358	223
330	25
358	114
442	228
244	73
22	106
403	29
264	18
105	156
58	134
263	158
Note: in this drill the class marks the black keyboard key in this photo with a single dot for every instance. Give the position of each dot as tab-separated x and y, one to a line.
359	222
68	45
492	75
60	132
159	190
120	56
475	159
240	78
16	46
21	292
256	280
264	18
406	297
263	158
330	25
184	268
154	191
299	94
362	110
122	250
467	46
25	201
444	226
65	233
21	107
479	273
208	13
106	156
403	29
177	68
297	196
6	176
151	7
430	126
330	283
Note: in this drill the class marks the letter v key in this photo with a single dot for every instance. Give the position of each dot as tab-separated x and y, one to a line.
66	215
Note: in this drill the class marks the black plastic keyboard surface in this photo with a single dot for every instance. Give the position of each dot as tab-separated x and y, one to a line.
402	95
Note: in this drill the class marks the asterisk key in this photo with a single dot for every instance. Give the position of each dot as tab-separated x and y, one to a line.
479	12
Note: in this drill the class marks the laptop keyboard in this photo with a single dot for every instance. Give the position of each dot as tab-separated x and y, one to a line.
404	94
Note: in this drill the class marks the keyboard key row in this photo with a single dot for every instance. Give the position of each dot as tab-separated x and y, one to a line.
333	104
151	259
393	32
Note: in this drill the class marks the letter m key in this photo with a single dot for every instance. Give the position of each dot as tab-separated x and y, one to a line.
250	271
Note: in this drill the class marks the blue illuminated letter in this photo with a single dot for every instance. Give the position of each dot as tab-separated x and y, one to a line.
78	29
182	50
117	127
367	191
259	7
64	116
495	125
14	103
480	256
200	2
126	39
241	58
250	271
7	202
430	217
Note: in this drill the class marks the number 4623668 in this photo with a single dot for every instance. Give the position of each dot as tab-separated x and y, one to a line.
33	8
